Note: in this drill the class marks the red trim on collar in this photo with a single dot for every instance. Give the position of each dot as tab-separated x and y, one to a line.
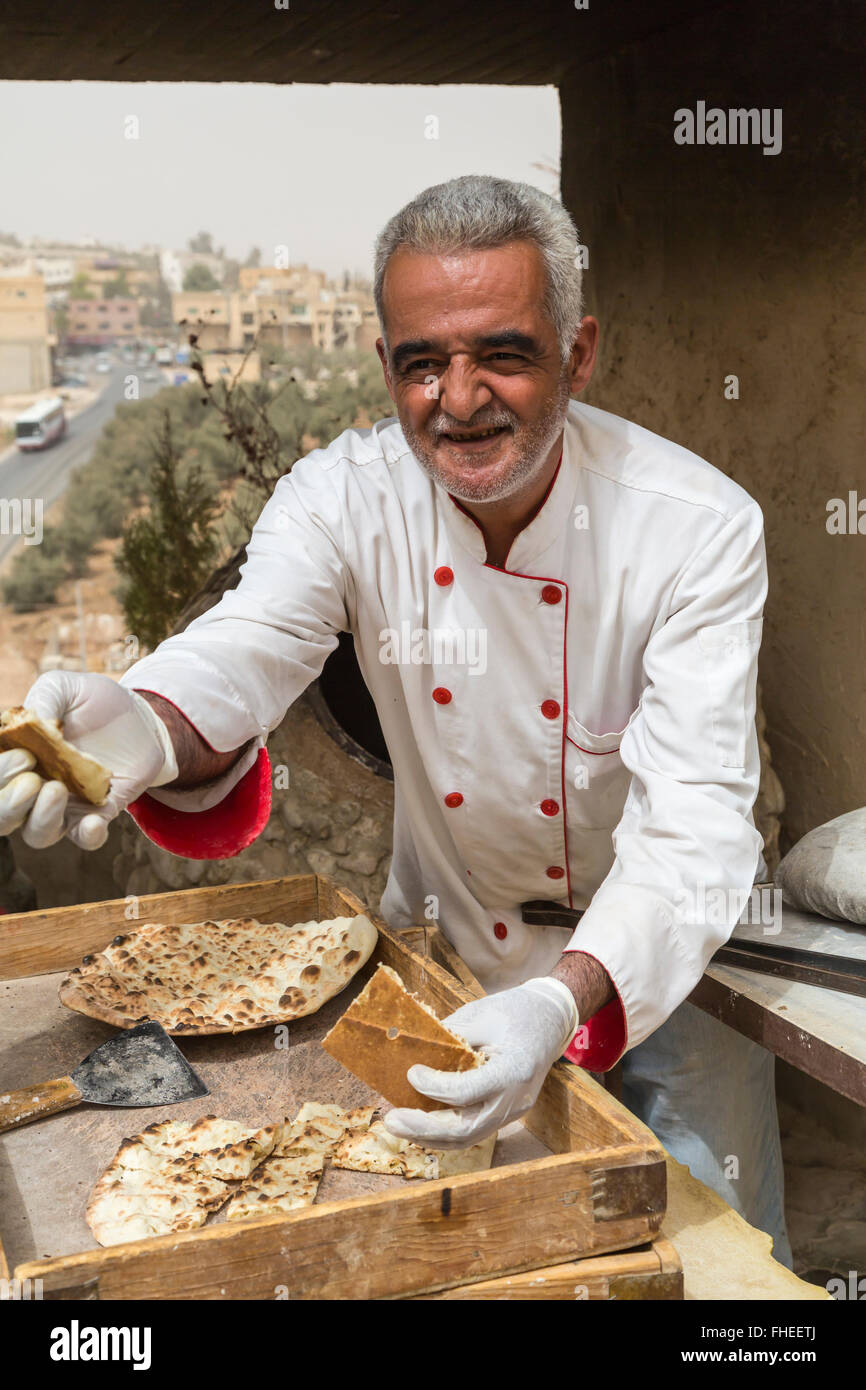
529	519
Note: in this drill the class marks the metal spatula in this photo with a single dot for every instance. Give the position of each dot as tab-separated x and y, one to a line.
142	1066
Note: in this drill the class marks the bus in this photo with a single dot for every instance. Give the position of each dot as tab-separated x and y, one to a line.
41	425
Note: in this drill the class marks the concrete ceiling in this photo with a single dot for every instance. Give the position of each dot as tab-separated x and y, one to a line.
398	41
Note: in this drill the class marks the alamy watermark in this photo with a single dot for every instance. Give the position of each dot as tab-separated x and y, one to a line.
22	516
760	905
442	646
737	126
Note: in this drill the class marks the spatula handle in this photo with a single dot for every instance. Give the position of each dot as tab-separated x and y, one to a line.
35	1102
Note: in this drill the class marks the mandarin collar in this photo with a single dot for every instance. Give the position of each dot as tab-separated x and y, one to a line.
542	530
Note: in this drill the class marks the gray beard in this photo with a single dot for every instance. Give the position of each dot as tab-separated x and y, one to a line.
531	443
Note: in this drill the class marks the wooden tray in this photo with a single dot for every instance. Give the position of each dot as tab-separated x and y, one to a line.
601	1189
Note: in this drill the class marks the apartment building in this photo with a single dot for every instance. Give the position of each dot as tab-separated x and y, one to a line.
289	308
99	322
25	356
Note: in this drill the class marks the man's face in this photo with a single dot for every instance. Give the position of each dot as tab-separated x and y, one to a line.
473	351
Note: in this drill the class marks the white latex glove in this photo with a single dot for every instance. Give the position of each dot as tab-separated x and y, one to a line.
523	1031
114	725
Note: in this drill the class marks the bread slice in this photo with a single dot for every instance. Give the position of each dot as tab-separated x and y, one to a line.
55	758
385	1031
375	1150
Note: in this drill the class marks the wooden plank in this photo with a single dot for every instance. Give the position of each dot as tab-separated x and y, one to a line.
810	1027
822	1032
653	1273
37	943
439	948
431	1236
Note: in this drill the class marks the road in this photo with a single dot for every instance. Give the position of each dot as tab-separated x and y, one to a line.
46	473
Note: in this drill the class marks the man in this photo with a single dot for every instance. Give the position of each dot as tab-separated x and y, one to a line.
558	615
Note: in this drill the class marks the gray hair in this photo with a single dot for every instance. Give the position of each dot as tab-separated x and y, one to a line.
477	211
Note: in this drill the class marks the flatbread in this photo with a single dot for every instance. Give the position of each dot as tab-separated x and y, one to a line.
172	1175
318	1129
219	977
55	758
385	1031
280	1184
211	1147
378	1151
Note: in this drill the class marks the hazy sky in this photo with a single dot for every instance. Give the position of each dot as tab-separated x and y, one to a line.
318	168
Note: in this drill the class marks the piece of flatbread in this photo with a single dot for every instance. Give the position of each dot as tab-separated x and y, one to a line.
290	1177
211	1147
219	977
56	759
378	1151
318	1129
385	1030
169	1177
280	1184
140	1205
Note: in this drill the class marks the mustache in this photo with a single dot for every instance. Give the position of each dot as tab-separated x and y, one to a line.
501	421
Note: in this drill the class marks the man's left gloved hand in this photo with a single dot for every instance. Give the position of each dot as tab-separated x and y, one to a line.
523	1031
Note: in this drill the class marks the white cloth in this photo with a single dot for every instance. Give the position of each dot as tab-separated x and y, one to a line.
650	768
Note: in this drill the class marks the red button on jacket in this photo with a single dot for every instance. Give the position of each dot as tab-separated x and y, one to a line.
551	594
550	808
550	709
441	695
555	872
443	575
454	799
500	931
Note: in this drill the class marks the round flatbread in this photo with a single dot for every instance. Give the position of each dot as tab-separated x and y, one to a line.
219	977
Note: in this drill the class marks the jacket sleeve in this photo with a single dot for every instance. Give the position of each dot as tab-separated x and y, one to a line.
235	671
686	850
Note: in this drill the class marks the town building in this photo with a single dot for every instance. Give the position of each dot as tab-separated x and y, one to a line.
25	346
101	322
289	308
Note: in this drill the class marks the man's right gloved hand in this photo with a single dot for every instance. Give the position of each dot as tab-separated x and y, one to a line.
114	725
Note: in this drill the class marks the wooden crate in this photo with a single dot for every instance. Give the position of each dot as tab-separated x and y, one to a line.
601	1190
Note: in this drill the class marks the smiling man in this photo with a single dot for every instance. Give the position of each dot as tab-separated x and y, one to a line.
566	807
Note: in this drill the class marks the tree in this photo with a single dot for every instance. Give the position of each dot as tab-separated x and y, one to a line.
61	323
254	259
200	278
201	244
167	555
119	287
79	287
231	276
155	312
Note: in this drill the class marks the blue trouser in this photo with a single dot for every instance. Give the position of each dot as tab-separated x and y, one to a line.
709	1095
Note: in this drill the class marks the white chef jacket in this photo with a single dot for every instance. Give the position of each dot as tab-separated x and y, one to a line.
576	726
